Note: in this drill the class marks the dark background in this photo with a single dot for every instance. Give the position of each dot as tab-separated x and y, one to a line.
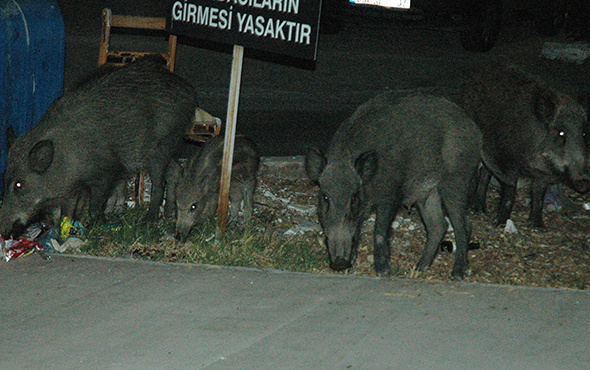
288	105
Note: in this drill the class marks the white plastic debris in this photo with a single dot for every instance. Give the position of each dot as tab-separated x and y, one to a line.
70	243
510	228
576	52
269	194
302	209
302	228
403	224
293	231
586	206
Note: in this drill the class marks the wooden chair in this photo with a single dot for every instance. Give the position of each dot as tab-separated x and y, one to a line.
119	58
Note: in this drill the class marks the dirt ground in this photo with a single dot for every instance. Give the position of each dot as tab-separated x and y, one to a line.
558	256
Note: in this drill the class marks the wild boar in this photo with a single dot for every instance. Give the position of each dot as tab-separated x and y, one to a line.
113	124
197	190
396	152
530	130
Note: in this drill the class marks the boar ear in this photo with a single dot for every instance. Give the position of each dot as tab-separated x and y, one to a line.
10	137
545	105
41	156
366	165
314	164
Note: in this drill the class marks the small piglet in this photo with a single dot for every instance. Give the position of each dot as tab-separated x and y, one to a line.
197	190
397	152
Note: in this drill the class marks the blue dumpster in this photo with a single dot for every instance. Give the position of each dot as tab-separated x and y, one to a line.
31	65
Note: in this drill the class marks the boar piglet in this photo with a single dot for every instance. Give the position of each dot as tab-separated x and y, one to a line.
530	130
112	125
393	152
197	191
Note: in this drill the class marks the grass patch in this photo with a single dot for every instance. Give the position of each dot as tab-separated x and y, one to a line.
125	234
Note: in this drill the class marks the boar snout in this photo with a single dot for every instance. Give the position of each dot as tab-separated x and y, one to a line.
181	236
582	185
341	242
339	264
182	231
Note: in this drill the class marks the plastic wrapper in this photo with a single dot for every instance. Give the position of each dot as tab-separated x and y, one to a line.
14	248
37	238
47	238
69	227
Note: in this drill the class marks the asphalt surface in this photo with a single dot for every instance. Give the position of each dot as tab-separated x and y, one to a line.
89	313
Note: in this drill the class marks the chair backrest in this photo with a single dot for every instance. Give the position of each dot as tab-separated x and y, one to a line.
119	58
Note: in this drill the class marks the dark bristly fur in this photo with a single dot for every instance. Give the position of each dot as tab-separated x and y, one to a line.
530	130
114	123
396	152
197	191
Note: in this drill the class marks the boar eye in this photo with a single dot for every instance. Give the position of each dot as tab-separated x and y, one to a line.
193	207
324	202
18	185
561	136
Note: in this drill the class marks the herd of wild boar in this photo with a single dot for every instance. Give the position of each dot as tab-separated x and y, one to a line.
395	151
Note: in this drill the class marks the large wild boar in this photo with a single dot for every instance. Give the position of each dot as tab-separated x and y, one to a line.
530	130
197	190
116	122
396	152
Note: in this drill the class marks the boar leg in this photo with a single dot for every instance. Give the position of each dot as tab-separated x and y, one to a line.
235	197
478	203
242	191
507	198
157	174
457	211
436	226
98	194
382	236
248	196
538	191
172	176
78	206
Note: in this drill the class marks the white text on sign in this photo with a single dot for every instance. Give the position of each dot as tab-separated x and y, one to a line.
260	26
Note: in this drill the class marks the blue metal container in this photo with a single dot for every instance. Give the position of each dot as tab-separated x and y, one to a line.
31	64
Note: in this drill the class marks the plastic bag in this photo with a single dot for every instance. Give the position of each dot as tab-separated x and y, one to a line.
37	238
69	227
14	248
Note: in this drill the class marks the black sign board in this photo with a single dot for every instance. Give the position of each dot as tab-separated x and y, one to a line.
288	27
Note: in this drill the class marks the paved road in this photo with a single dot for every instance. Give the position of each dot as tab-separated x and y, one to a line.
87	313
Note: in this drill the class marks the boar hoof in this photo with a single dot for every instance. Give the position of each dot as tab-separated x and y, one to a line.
582	186
423	266
537	224
384	273
473	246
383	270
340	264
458	273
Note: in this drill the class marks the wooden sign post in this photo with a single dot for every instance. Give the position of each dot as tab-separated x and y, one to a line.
288	27
230	133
